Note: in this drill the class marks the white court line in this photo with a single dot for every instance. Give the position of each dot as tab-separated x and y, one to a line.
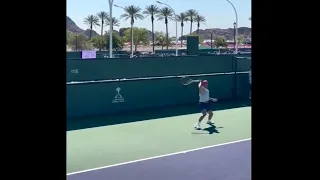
155	157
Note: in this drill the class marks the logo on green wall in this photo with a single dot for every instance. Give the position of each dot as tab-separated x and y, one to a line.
74	71
118	98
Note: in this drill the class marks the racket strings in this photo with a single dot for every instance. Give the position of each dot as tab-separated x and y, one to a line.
186	80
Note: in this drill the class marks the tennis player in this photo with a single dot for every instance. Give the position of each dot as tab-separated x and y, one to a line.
205	103
250	83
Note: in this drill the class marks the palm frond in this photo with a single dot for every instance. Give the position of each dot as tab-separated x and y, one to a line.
151	10
200	19
182	17
103	15
165	13
132	12
191	14
91	20
115	21
125	16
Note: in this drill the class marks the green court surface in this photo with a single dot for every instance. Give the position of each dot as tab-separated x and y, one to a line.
111	144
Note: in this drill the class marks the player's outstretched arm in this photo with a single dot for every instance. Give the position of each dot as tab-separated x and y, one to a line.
201	88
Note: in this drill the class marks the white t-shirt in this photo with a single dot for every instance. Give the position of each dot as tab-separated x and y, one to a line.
204	97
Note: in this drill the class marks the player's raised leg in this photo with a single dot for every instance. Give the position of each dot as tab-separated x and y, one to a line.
203	115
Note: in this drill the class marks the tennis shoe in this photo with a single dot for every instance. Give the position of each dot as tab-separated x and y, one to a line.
209	122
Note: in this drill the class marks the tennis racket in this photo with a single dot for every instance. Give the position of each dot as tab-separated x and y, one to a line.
187	80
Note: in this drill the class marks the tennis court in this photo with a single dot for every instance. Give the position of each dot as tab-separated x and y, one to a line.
163	148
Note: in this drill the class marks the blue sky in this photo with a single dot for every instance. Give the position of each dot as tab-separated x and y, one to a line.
218	13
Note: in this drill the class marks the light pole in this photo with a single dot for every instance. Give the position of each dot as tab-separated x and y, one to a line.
110	31
234	35
176	24
235	11
131	32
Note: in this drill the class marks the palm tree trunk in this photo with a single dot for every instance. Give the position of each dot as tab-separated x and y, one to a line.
181	35
101	32
131	43
90	31
152	36
190	26
101	28
167	36
198	26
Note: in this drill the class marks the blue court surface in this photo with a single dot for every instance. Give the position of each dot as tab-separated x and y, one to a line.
230	161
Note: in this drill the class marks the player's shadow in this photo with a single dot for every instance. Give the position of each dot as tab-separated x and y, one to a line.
212	129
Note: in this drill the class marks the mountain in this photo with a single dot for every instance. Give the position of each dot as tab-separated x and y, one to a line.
206	33
72	27
227	33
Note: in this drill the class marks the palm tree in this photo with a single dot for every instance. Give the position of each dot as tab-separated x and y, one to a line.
103	16
91	21
132	12
166	14
199	19
182	17
191	14
115	22
151	10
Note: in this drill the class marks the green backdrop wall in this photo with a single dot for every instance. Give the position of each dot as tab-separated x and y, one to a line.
94	99
97	98
101	69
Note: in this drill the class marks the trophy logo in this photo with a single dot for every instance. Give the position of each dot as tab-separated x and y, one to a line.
118	98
